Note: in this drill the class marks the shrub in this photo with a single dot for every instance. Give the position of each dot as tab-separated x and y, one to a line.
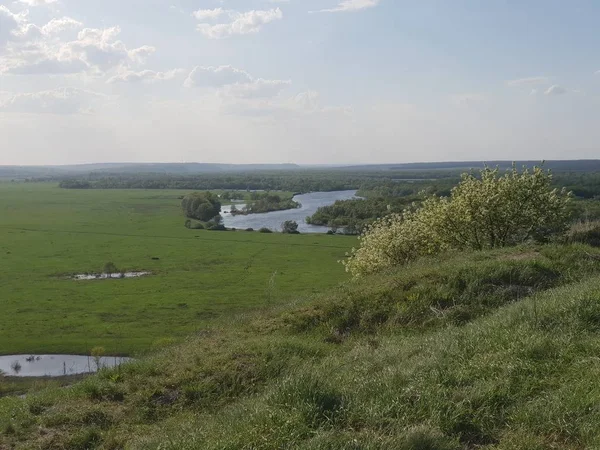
586	234
213	226
249	229
489	211
290	227
265	230
194	225
110	267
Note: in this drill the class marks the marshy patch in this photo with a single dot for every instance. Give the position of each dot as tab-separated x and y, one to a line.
56	365
109	276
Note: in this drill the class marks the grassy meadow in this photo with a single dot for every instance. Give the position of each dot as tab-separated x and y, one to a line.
488	350
198	277
261	341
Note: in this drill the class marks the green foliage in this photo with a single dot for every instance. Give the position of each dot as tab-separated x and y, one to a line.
357	214
489	211
110	267
433	292
194	225
262	202
265	230
586	233
305	180
202	206
290	227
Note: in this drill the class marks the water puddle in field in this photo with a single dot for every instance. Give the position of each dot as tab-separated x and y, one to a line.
107	276
55	365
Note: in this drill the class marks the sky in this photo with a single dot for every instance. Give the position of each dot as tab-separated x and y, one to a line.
298	81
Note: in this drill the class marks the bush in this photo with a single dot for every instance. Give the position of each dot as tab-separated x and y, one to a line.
586	234
110	267
249	229
216	227
265	230
489	211
290	227
194	225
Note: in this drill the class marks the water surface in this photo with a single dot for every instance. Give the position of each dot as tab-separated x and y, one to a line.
106	276
54	365
273	220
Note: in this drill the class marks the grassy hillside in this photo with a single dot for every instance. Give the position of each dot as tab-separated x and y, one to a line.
483	350
47	234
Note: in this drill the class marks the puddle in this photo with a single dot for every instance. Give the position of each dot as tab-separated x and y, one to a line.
55	365
106	276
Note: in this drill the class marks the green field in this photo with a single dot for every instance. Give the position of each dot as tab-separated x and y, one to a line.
47	234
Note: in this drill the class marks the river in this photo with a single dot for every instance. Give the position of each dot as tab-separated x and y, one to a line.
273	220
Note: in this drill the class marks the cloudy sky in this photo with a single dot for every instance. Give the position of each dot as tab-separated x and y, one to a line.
305	81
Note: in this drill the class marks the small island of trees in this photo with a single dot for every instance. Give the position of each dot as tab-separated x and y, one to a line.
262	202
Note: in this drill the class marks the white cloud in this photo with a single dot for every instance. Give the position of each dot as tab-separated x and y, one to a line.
100	49
216	76
9	25
350	5
209	14
239	23
60	25
37	2
40	51
130	76
67	100
555	90
235	83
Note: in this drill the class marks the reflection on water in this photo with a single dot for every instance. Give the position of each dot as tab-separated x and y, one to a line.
54	365
106	276
273	220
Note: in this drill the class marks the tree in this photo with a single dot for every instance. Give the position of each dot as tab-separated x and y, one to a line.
202	206
290	227
482	212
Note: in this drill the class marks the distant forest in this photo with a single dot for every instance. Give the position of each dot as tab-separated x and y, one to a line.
294	181
191	169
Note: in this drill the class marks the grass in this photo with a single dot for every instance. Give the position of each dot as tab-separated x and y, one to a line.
47	234
484	350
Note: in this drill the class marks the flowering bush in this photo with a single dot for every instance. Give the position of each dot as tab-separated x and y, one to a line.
488	211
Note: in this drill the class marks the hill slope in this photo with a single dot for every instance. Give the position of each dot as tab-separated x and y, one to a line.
485	350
